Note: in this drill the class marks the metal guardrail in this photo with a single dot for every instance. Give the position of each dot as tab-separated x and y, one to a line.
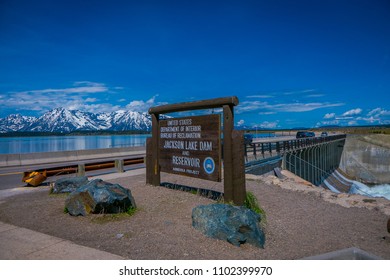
37	176
272	148
82	167
59	157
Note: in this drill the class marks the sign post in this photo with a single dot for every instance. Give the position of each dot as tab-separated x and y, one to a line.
191	146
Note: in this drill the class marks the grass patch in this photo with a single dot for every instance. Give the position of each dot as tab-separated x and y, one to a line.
51	194
103	218
131	211
106	218
252	203
194	191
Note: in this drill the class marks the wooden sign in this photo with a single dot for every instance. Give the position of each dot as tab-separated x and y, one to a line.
191	146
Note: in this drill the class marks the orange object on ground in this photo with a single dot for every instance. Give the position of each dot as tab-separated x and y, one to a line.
34	178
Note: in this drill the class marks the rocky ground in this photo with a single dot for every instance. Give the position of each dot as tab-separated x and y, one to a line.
301	221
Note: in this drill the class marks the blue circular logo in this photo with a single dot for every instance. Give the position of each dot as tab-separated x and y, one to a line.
209	165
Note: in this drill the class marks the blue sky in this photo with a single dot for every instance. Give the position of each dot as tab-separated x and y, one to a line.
290	63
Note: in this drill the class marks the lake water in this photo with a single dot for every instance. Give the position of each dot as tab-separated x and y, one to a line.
21	145
39	144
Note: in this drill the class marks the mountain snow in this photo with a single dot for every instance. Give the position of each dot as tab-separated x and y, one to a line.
64	120
15	122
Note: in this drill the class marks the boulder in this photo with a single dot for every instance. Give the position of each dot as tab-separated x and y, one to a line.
235	224
68	185
98	197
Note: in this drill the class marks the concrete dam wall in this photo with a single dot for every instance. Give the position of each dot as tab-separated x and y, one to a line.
366	158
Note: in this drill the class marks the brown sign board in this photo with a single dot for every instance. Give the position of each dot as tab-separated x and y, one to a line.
191	146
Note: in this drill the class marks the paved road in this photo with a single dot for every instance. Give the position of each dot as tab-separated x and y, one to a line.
11	177
11	180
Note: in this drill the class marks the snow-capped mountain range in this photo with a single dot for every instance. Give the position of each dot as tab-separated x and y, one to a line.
63	120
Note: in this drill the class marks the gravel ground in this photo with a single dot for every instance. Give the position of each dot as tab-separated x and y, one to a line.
302	221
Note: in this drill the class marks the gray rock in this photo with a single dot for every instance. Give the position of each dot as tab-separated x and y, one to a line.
99	196
68	185
235	224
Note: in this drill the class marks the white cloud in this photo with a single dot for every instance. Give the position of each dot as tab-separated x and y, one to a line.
315	95
267	113
75	97
301	107
137	105
79	87
370	119
344	118
100	107
353	112
240	122
277	93
334	122
298	91
356	117
377	115
269	125
329	116
331	122
143	106
260	96
267	107
375	112
378	112
248	106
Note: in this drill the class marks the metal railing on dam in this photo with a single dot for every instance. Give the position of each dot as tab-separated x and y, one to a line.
262	150
313	159
315	163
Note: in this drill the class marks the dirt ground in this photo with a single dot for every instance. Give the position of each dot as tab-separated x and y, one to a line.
301	221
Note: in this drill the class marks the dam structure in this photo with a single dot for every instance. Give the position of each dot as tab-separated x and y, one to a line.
317	163
314	159
342	163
